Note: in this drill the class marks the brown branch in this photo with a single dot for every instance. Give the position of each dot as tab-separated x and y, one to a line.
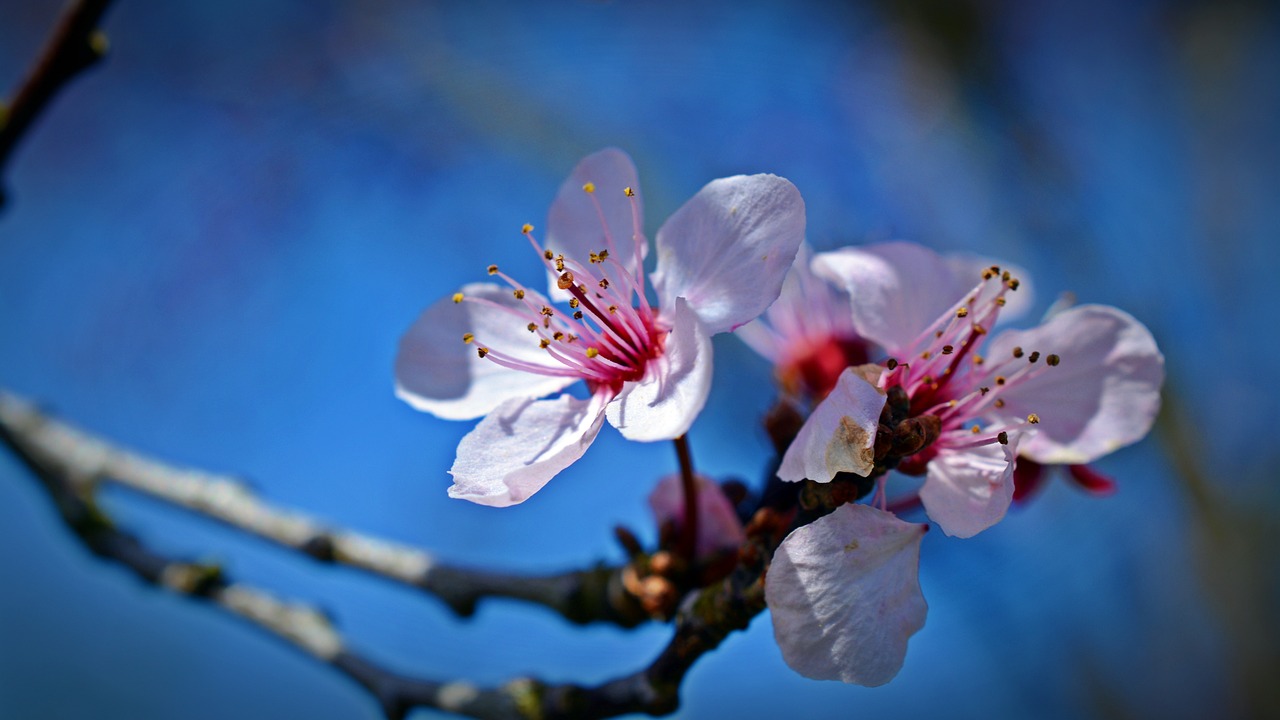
75	45
582	596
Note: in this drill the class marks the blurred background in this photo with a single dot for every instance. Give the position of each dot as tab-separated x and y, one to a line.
215	239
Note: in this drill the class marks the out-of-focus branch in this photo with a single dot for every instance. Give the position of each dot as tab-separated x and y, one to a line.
75	45
596	594
69	463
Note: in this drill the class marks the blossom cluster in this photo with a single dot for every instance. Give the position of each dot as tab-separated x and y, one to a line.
890	350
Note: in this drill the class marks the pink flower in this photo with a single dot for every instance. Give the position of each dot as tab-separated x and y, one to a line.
807	333
1080	385
719	529
493	350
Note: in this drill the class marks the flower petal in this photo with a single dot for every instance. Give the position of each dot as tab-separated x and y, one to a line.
809	311
840	434
1102	396
968	491
728	248
719	528
845	596
897	289
437	373
574	226
521	445
664	403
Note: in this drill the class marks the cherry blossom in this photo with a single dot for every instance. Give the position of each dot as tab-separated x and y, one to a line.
494	350
948	405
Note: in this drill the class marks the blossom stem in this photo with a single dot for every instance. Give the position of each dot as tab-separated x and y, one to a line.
689	537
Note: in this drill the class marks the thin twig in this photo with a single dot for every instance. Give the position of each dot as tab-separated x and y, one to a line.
689	489
582	596
75	45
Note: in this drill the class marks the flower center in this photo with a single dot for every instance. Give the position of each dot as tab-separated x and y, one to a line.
609	332
944	377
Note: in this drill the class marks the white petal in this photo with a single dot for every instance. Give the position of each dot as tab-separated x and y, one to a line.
897	289
574	226
718	525
840	434
437	373
728	248
1103	395
809	310
521	445
845	595
968	491
664	403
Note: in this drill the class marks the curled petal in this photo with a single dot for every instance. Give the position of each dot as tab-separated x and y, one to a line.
728	248
574	227
897	289
664	403
845	595
968	491
719	528
437	373
521	445
840	435
1103	394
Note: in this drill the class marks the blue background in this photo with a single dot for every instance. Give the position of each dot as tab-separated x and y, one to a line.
215	239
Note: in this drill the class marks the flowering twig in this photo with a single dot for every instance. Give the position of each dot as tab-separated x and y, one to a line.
76	44
582	596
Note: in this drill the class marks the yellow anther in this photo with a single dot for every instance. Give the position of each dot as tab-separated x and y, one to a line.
532	327
1000	380
613	309
1000	302
1006	276
577	315
566	280
628	192
604	255
987	274
547	312
560	264
592	352
558	335
548	254
457	297
518	293
570	338
978	359
1017	351
543	343
975	429
1013	284
573	303
467	338
526	228
979	330
926	355
962	312
589	187
482	351
594	259
999	403
604	283
493	269
1053	360
1033	418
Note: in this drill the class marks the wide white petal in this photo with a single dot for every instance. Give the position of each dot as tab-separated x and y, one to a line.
719	528
437	373
664	403
574	227
521	445
968	491
840	434
1103	395
897	289
845	596
728	248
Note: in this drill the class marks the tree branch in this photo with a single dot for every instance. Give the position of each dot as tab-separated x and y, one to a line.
582	596
76	44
